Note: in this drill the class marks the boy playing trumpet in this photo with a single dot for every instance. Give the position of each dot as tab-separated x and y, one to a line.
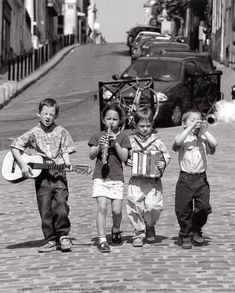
192	192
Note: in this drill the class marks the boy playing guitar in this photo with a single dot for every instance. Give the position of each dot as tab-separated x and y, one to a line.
55	144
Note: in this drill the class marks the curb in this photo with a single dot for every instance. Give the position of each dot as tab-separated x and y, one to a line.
11	89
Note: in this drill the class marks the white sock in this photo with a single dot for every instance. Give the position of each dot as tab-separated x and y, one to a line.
102	238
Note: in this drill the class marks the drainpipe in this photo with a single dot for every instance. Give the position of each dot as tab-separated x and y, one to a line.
222	32
188	22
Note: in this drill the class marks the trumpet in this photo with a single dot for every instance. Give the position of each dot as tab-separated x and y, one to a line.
105	149
224	112
211	119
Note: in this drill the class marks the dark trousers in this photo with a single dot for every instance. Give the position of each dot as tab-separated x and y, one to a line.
52	195
192	206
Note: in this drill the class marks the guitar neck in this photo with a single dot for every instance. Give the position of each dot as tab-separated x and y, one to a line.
47	166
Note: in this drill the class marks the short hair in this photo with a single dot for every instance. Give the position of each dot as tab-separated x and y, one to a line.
114	107
187	114
49	102
143	113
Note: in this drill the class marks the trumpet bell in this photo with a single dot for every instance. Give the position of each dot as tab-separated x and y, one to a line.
211	119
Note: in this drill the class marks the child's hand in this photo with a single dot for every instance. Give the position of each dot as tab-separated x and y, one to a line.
27	171
112	135
161	164
129	162
68	168
160	167
204	127
103	141
196	124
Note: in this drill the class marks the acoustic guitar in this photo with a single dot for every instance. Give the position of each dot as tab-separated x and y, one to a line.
11	170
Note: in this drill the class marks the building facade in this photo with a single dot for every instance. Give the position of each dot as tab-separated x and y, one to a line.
15	35
30	24
223	32
44	20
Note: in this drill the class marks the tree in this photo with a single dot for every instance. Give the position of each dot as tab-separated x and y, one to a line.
176	11
86	4
176	8
199	8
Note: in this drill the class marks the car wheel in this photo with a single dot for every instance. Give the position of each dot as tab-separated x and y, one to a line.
176	115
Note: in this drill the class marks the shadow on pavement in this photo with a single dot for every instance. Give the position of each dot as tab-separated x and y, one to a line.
27	244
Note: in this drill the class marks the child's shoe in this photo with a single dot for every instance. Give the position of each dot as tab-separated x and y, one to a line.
116	238
198	239
150	234
138	241
48	247
103	247
187	243
65	243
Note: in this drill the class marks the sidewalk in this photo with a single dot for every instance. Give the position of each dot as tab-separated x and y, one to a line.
227	79
10	89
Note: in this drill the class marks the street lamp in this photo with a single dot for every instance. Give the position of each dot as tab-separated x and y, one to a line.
96	25
94	12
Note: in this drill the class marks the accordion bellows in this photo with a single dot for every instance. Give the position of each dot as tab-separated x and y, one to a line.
144	164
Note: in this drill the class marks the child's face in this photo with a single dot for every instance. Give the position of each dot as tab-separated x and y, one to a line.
47	116
111	119
193	118
144	127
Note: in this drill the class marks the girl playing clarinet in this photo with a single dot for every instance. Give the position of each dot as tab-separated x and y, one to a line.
108	174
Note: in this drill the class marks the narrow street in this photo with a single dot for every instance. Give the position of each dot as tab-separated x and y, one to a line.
159	267
73	80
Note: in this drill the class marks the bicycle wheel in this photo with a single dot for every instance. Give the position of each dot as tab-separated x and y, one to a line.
147	97
128	121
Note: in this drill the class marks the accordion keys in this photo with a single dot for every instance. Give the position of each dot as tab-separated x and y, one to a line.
144	164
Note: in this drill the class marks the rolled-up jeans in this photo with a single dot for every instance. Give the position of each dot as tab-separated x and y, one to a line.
52	196
192	205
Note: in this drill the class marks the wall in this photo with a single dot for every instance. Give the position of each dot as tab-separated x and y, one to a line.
70	17
222	35
20	38
0	32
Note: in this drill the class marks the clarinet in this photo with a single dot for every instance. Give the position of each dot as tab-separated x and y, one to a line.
105	149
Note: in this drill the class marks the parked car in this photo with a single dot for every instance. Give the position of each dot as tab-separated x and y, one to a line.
181	83
158	48
133	32
141	38
204	59
143	35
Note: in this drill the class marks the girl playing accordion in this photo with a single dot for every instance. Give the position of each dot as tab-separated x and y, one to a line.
149	158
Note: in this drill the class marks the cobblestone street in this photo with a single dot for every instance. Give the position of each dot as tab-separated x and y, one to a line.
160	267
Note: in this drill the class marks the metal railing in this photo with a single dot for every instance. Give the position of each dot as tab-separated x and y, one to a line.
23	65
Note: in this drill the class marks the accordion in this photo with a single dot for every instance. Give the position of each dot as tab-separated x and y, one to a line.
145	164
